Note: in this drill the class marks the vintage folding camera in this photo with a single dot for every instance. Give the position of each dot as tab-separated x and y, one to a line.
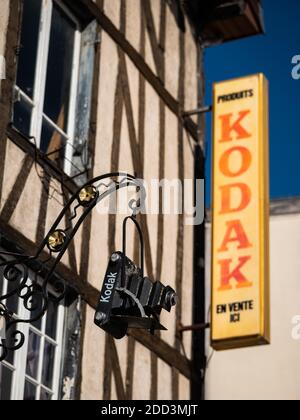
130	300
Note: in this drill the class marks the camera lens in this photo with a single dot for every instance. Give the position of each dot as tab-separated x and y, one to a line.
171	298
174	299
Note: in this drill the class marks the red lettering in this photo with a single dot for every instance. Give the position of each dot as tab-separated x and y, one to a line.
226	193
235	197
227	274
228	127
245	165
240	236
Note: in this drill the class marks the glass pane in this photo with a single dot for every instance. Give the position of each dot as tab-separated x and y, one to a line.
6	376
10	357
33	354
37	307
11	343
22	116
29	391
45	395
49	354
51	322
29	45
60	65
52	143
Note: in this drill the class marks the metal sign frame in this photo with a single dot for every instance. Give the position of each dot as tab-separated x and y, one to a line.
240	224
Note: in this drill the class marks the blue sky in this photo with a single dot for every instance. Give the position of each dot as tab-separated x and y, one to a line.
270	54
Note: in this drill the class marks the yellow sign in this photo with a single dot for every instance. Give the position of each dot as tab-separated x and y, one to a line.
240	250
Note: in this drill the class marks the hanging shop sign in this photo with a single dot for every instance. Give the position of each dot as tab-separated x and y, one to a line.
240	250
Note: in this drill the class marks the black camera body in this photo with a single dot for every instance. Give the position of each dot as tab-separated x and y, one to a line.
130	300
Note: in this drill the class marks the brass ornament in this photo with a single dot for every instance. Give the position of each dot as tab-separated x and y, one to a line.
56	241
87	195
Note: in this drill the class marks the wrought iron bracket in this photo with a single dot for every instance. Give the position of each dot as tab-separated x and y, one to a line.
196	327
35	294
197	111
181	329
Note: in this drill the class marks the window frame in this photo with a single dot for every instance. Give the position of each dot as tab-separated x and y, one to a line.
41	69
18	369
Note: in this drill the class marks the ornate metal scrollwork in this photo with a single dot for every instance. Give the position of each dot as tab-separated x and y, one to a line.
35	295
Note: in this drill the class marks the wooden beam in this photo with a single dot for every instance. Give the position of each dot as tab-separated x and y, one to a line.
156	50
116	369
52	169
12	37
164	351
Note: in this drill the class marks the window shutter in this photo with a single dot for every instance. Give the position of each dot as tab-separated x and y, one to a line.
81	156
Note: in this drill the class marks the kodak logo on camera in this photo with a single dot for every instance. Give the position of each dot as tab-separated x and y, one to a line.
108	287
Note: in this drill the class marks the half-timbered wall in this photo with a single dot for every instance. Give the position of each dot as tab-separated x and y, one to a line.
146	75
4	12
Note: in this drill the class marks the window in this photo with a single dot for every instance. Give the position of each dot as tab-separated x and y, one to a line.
49	78
33	372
